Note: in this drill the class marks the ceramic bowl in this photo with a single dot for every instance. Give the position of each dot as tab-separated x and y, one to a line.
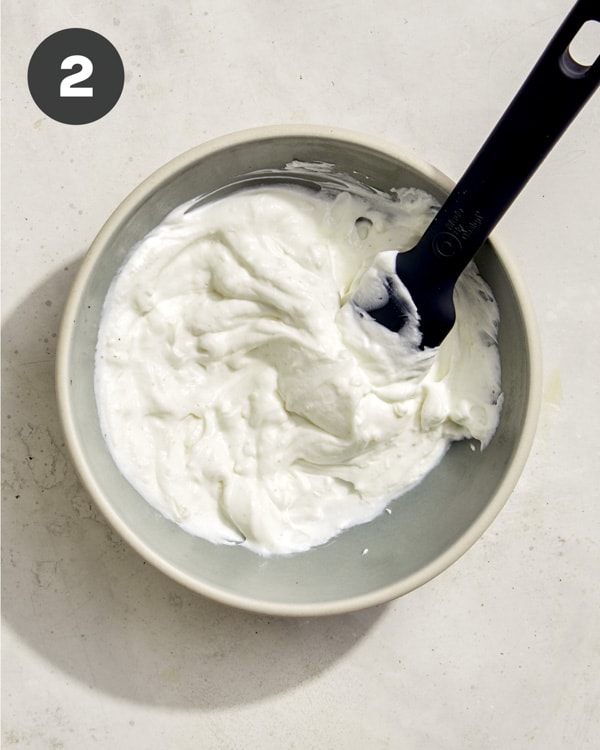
430	527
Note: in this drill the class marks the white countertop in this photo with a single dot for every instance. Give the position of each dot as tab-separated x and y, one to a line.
99	648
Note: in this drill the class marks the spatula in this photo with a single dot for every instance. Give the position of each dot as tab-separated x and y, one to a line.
552	95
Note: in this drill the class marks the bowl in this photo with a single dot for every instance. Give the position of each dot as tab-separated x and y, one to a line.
430	527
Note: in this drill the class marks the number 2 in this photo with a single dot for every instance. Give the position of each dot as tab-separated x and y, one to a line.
66	85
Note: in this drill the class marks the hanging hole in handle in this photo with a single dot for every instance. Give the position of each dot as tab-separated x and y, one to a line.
583	51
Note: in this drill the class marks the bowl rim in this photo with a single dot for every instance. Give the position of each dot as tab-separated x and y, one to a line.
67	417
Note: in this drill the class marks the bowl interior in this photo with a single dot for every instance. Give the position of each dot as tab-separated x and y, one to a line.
428	527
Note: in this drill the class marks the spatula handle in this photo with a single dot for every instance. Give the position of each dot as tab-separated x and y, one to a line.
552	95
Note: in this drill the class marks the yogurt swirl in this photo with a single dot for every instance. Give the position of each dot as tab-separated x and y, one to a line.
249	401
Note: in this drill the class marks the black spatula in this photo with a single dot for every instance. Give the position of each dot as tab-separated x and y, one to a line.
554	92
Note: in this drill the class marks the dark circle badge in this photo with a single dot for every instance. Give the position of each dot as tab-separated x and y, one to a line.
75	76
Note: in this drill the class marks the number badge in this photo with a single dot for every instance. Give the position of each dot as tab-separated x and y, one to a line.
75	76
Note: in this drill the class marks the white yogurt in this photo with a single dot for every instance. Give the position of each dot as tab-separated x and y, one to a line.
242	394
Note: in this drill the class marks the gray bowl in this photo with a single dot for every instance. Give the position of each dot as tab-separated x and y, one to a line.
429	528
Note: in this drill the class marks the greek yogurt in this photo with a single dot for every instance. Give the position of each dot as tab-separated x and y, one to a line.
245	395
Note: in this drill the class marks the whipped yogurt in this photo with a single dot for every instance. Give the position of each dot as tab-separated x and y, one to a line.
243	393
